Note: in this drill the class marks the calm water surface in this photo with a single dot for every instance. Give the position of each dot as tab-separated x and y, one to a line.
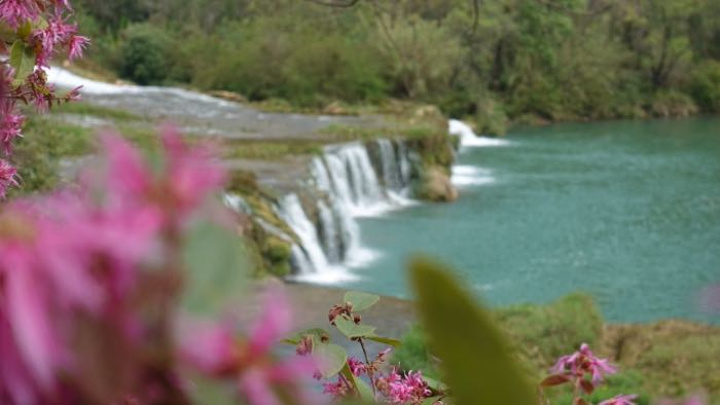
628	211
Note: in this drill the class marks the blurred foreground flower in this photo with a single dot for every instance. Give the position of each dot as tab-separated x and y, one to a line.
90	279
261	378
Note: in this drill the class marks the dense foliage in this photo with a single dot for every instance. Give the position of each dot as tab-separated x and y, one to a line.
509	60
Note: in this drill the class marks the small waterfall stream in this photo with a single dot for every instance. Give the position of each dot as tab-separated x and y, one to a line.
353	188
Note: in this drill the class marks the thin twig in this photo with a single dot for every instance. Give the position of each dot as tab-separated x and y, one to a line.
369	369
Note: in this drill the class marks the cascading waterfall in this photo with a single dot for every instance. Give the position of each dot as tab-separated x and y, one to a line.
312	253
346	177
390	165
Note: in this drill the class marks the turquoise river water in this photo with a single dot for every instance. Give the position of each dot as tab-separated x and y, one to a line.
627	211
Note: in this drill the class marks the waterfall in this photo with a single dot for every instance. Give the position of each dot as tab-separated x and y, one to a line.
237	203
351	188
329	233
392	176
311	258
468	138
405	168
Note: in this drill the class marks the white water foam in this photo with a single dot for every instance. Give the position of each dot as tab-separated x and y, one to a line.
65	79
468	138
463	175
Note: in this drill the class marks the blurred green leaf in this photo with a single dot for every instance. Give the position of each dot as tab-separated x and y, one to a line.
332	357
477	364
365	391
352	330
434	384
360	300
386	340
22	59
216	267
24	30
296	338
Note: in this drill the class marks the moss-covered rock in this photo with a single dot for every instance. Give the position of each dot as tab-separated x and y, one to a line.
435	185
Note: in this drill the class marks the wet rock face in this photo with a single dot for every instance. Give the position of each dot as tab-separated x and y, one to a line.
435	185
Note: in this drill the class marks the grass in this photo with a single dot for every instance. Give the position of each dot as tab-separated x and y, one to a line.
666	359
269	150
81	108
344	133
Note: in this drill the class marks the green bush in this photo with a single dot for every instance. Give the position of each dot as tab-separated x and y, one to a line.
414	354
705	87
548	331
490	117
144	54
538	333
672	104
38	153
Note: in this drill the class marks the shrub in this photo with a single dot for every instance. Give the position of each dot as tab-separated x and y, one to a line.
672	104
144	54
705	87
490	117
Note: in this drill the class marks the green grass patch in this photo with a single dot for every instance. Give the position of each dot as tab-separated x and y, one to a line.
269	150
339	132
81	108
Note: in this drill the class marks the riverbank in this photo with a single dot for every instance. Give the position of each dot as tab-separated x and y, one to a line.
668	358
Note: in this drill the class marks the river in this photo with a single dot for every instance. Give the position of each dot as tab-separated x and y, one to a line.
626	211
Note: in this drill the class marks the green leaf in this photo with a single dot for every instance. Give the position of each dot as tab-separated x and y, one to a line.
363	388
296	338
477	364
216	268
435	385
352	330
332	358
360	300
431	400
24	30
386	340
22	59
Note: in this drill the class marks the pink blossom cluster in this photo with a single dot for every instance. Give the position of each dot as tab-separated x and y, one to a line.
403	389
89	277
581	363
39	28
390	387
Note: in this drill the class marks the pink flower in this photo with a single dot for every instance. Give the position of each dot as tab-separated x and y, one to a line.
338	389
16	12
76	45
620	400
7	177
408	389
192	172
260	376
356	366
210	349
10	125
81	257
584	362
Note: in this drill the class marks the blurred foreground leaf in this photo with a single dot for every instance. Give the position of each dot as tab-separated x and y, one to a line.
332	357
360	301
216	268
478	367
352	330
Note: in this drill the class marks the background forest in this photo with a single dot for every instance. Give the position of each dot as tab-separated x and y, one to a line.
498	61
